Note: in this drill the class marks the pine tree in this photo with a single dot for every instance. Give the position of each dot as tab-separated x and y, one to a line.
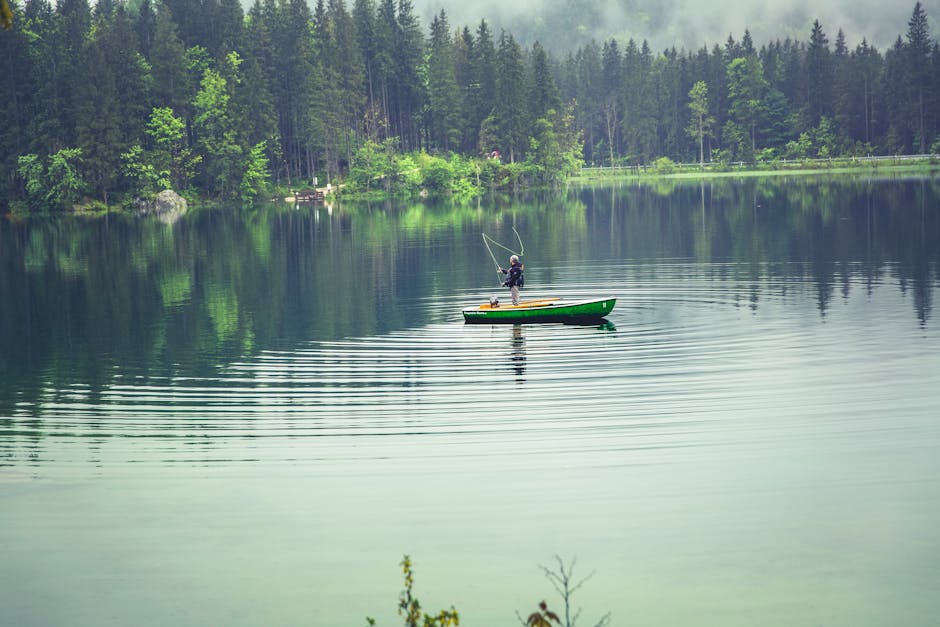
482	94
543	92
611	95
590	99
747	90
409	48
509	111
146	27
171	83
917	61
17	87
818	74
111	101
365	19
295	86
349	64
463	74
443	97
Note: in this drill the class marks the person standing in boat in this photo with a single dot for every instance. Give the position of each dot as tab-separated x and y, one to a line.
514	281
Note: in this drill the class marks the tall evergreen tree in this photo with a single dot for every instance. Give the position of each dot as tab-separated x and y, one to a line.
867	66
841	84
443	97
73	21
342	86
296	86
171	83
896	136
463	74
917	61
543	92
255	98
640	104
409	47
146	26
818	75
589	97
16	85
111	101
612	97
747	91
509	111
365	19
482	93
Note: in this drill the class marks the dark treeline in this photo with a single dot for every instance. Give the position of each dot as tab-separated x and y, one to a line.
111	100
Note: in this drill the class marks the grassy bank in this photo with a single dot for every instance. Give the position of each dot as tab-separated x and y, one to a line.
923	165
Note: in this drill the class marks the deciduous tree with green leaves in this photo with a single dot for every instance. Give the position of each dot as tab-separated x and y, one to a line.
53	185
217	136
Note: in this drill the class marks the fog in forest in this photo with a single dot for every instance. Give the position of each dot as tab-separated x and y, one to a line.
686	24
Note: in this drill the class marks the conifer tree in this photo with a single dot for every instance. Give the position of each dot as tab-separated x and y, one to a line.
543	92
509	111
612	97
818	75
443	98
171	83
409	48
482	93
917	62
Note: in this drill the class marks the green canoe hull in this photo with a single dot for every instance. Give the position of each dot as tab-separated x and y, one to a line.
541	311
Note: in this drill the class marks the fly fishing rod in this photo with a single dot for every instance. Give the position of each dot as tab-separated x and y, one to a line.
487	240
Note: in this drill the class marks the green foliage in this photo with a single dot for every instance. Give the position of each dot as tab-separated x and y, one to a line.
54	185
408	173
409	607
145	175
700	122
32	171
437	174
217	133
165	129
819	142
373	166
555	150
168	162
664	165
254	180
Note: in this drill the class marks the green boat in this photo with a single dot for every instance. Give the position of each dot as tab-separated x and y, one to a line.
544	310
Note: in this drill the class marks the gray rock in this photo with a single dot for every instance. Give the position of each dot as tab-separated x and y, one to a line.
168	206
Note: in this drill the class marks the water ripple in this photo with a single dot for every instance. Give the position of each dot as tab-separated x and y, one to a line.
680	364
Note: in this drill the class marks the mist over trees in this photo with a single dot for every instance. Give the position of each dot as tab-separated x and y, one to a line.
563	25
114	100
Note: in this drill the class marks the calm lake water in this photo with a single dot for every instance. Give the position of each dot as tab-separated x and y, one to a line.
247	418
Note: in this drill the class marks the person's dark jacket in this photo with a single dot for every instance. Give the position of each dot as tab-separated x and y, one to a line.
515	276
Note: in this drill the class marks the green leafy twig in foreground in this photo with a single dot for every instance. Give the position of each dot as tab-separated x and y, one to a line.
410	608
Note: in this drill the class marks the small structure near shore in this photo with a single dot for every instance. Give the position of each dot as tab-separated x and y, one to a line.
310	195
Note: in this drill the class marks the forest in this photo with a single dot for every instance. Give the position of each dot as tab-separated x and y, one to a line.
113	101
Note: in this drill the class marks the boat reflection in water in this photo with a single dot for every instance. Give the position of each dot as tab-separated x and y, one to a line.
517	344
517	356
